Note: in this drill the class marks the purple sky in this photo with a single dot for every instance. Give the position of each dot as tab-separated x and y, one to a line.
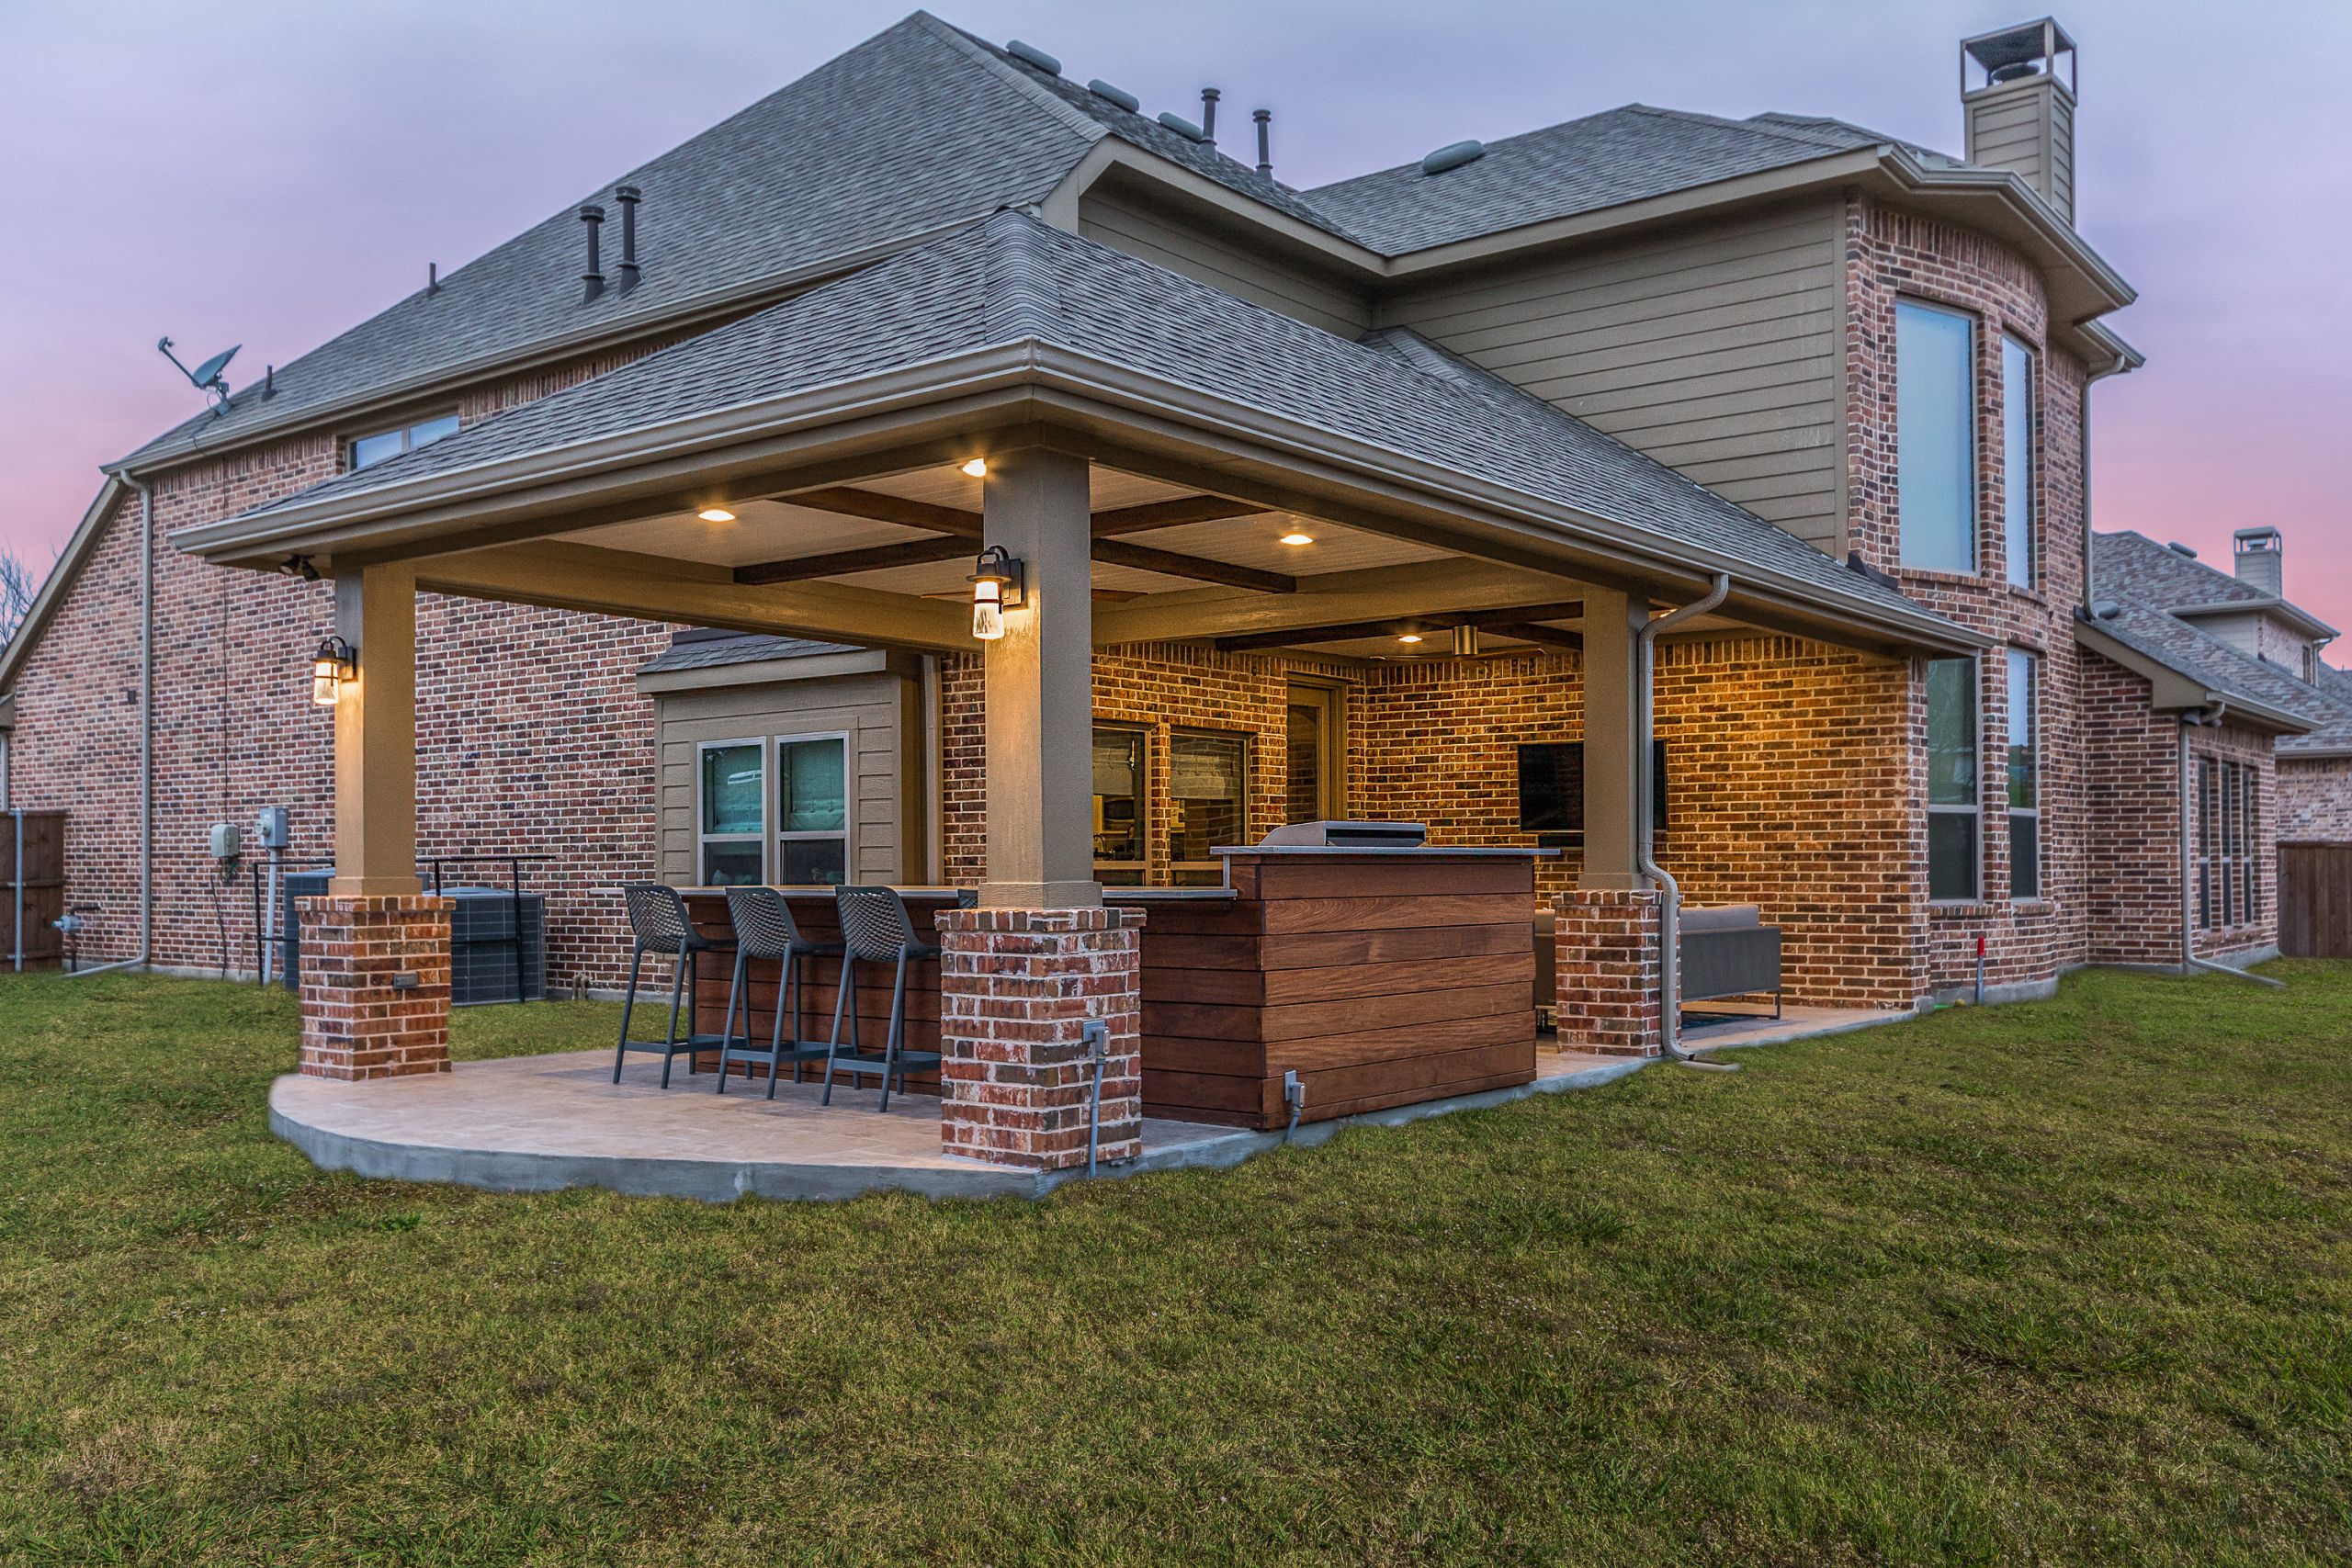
269	172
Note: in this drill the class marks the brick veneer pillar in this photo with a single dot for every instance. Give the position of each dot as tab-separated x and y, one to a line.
375	986
1016	988
1608	969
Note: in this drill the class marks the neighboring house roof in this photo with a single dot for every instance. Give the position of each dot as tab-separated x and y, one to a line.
914	131
2131	565
1013	281
2214	670
1603	160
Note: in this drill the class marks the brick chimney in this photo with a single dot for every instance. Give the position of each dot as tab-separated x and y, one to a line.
2021	112
2259	557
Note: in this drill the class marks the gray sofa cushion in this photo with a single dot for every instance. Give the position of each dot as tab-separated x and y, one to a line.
1721	917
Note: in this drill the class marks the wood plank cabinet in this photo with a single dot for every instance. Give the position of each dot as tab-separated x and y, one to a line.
1381	977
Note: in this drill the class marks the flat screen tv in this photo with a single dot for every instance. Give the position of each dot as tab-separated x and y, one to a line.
1551	787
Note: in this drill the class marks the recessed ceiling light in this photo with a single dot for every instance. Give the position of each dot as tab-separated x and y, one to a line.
1410	636
715	515
1298	538
978	467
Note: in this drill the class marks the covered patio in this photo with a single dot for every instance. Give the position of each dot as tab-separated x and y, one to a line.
1146	463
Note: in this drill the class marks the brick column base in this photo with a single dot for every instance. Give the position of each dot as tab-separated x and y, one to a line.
375	986
1608	968
1015	989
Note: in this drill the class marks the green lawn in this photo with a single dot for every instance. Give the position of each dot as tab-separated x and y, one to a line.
2064	1282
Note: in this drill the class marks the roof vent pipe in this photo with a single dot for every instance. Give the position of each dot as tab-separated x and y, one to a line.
628	196
1265	154
1209	96
594	217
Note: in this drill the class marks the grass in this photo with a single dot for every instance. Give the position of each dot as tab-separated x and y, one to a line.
2058	1282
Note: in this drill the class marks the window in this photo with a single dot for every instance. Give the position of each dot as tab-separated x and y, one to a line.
1119	805
810	827
732	835
1205	799
1935	437
1952	781
367	451
2025	776
2229	881
1311	755
2017	459
812	809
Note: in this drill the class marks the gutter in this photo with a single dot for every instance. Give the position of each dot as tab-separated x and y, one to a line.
1670	903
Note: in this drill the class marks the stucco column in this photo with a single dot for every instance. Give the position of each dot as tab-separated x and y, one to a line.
1612	806
1038	681
375	735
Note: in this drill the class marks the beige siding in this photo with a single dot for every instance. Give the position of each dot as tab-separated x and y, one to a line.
1118	220
2027	128
886	814
1712	348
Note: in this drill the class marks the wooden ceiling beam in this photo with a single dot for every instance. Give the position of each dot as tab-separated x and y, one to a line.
966	527
1518	621
842	563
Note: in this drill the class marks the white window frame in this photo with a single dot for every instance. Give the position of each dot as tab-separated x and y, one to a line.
2021	499
702	836
2229	866
1971	462
406	432
779	835
2033	731
1974	810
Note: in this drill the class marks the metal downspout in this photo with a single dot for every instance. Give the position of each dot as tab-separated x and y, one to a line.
146	734
2211	717
1669	906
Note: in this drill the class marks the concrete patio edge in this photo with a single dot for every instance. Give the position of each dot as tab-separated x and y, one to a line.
725	1180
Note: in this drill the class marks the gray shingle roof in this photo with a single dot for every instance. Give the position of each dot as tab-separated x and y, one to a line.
2207	659
1619	156
1012	279
908	133
750	648
2131	565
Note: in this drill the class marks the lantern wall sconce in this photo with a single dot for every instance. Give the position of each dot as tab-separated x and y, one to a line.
335	662
998	583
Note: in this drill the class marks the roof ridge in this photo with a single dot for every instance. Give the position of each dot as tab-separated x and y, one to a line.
1701	116
1086	125
1022	300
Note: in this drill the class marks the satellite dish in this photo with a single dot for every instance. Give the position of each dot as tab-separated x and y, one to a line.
209	372
206	378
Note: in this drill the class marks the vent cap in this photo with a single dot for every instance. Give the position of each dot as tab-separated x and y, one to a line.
1453	156
1118	95
1030	55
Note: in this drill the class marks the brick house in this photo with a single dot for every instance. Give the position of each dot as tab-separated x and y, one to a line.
1377	485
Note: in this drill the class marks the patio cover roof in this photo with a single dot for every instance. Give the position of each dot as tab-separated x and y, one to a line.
1011	305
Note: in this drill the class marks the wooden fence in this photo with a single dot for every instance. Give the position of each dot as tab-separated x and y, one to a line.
2315	900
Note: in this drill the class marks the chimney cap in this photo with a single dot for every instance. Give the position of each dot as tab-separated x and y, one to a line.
591	213
2001	52
2263	537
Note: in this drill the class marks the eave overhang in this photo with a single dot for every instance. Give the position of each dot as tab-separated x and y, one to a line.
2176	690
2302	620
1038	383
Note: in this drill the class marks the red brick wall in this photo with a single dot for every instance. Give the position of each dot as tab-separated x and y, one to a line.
1790	774
2231	744
1892	253
2314	799
530	733
2133	823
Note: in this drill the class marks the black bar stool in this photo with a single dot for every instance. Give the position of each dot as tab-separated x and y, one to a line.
874	927
659	923
765	929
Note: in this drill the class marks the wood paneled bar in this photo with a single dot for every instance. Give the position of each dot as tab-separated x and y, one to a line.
1382	977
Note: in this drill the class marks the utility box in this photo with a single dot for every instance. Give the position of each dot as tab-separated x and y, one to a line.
270	828
227	844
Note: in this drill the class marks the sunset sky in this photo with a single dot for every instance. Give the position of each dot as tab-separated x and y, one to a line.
268	172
